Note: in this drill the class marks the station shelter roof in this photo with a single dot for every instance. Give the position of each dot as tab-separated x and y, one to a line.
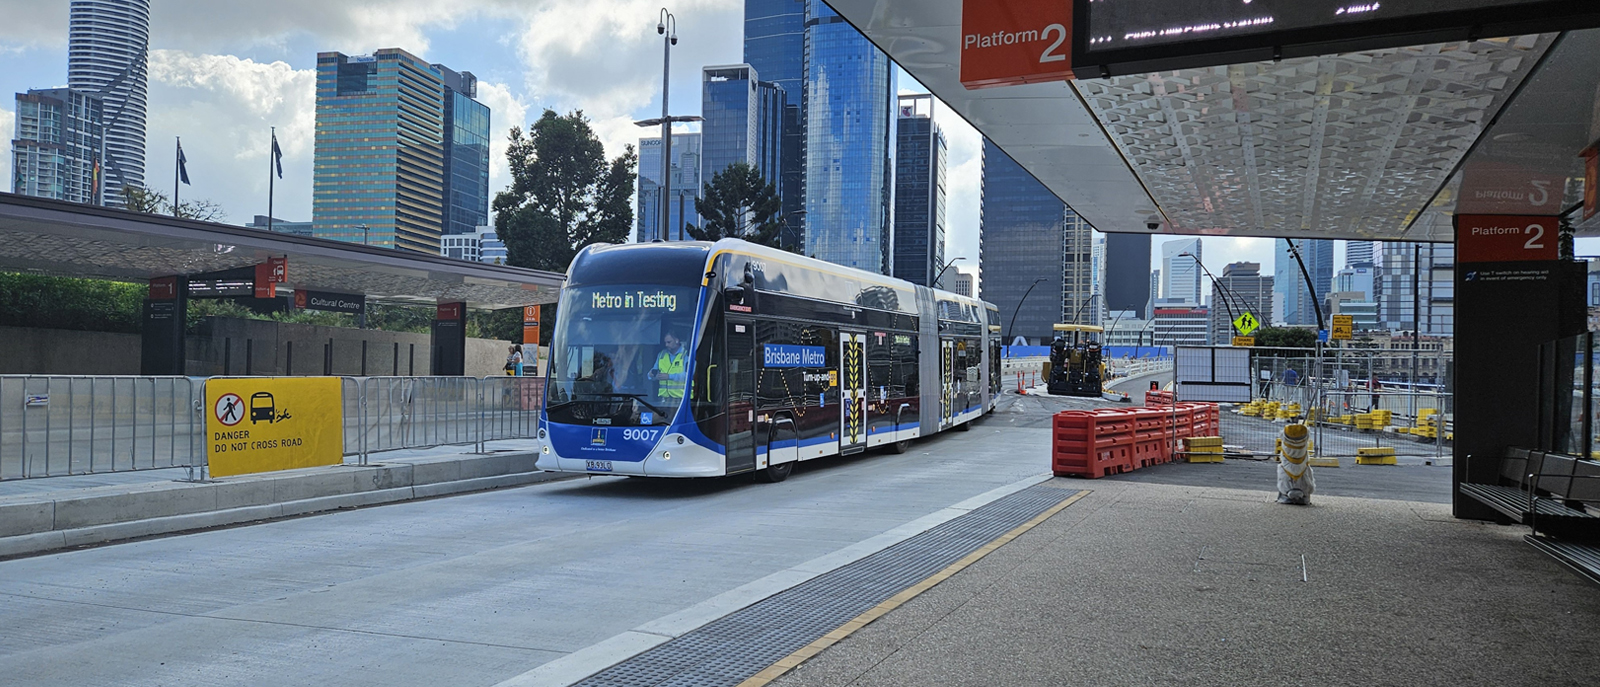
1382	144
67	239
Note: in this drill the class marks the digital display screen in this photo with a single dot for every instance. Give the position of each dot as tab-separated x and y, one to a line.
633	299
1120	24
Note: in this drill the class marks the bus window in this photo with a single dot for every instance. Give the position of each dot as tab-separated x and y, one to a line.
620	354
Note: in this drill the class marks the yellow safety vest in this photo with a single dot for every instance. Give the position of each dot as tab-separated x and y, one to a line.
671	364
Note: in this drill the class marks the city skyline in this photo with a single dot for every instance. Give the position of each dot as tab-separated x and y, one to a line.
258	71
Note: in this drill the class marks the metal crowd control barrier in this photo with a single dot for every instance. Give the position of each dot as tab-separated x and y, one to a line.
53	425
76	425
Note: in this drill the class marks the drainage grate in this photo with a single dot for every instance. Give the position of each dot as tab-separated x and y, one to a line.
728	650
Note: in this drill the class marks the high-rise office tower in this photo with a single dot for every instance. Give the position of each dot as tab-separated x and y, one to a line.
686	184
57	144
466	153
919	193
1299	303
775	46
1241	288
1127	287
1359	253
1020	221
743	123
1432	265
849	109
107	53
1180	274
379	161
1155	293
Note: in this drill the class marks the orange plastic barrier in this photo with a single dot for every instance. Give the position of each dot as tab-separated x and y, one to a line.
1108	441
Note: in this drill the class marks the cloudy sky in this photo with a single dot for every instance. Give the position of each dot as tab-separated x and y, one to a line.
223	71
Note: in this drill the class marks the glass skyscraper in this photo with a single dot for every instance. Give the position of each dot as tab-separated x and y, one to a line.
849	176
1020	221
775	46
57	143
466	153
743	123
108	53
686	184
379	164
919	193
1289	284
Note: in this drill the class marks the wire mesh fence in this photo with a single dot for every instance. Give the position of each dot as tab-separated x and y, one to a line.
52	425
1379	407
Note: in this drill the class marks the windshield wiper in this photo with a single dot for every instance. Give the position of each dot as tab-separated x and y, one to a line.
637	397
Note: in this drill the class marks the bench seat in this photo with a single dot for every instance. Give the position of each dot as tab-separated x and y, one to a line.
1582	559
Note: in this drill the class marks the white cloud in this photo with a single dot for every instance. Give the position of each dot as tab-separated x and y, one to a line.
224	108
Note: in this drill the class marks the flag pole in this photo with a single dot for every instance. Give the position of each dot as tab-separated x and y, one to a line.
272	144
177	165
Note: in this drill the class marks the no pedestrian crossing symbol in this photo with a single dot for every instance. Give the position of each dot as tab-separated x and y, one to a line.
1246	323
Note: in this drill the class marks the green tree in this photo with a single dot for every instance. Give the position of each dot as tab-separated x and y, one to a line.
1286	337
739	204
564	194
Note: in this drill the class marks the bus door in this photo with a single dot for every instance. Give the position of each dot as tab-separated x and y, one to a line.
947	381
852	393
741	378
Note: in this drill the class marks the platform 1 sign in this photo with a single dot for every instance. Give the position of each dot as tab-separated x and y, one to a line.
266	424
1343	326
1010	42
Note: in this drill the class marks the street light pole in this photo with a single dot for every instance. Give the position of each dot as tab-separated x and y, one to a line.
1018	309
935	283
669	38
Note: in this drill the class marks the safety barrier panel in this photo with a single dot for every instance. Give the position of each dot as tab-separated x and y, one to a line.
53	425
58	425
1109	441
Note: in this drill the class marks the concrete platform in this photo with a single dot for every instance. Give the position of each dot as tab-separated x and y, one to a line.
61	512
1142	583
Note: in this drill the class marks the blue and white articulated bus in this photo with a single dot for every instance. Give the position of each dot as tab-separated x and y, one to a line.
696	359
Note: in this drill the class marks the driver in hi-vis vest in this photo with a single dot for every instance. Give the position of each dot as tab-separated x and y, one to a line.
671	367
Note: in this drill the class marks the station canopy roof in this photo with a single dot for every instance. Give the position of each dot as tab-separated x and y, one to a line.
68	239
1381	144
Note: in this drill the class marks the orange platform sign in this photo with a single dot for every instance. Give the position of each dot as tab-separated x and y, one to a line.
1010	42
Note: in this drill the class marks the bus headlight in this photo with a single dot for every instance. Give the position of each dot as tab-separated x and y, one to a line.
541	432
666	455
545	450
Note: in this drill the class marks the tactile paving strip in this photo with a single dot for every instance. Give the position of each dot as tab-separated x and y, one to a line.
728	650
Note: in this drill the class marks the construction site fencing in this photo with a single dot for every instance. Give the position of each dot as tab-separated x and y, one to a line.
1367	406
59	425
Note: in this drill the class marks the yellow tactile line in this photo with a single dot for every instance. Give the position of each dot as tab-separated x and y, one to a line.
788	663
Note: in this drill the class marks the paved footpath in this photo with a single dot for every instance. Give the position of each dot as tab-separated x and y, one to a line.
1141	584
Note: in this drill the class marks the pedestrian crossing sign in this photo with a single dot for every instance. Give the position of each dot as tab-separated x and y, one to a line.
1246	323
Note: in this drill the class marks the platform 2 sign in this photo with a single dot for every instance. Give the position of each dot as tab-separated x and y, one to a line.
262	425
1506	238
1009	42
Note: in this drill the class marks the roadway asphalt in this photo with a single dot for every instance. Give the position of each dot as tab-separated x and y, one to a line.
467	590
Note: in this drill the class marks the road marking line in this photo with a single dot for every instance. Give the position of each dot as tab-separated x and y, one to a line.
805	653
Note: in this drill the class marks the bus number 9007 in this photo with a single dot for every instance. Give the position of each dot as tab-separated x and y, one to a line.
640	434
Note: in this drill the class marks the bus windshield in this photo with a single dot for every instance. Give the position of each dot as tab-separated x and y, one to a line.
620	354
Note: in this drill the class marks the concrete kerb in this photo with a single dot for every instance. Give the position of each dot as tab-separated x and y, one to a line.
38	523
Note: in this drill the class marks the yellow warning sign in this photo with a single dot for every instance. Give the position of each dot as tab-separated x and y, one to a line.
266	424
1342	326
1246	324
1244	341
